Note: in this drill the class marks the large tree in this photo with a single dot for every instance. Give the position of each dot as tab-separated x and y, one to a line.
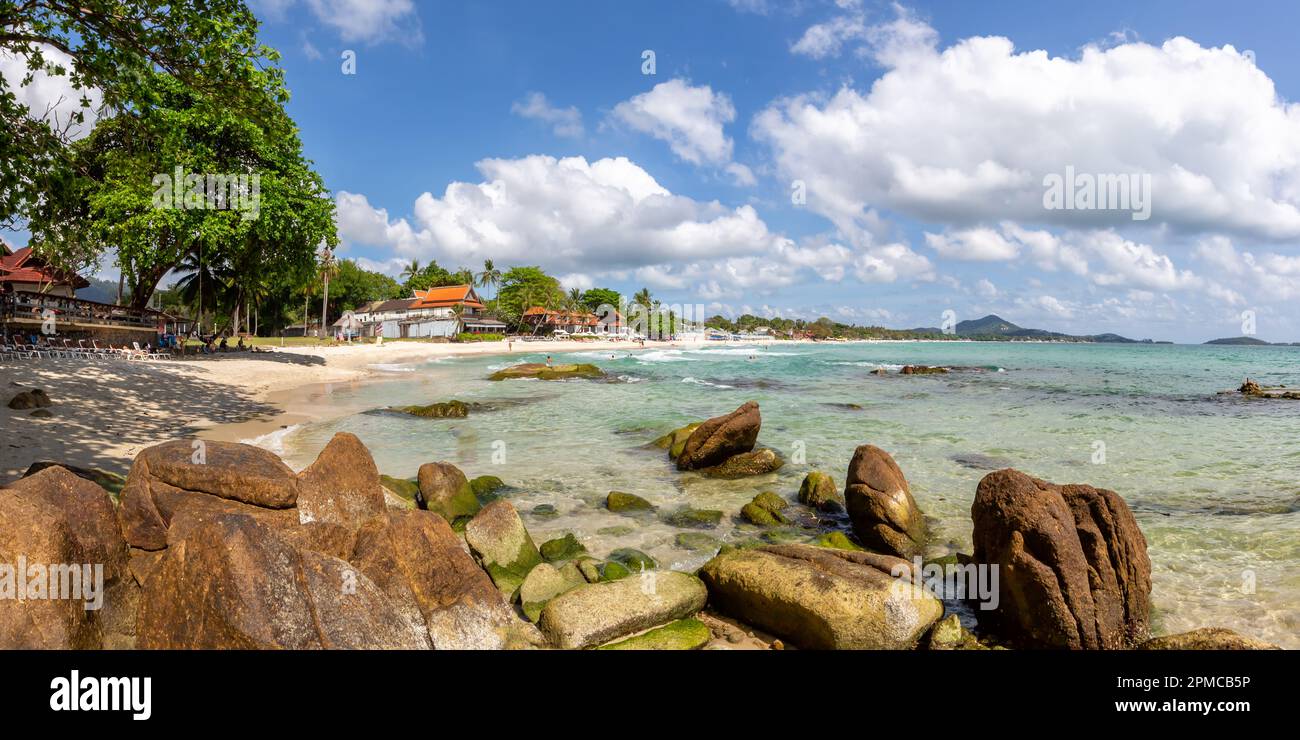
524	287
120	49
156	188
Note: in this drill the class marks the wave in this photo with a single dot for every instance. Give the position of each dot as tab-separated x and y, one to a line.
663	355
754	351
392	367
697	381
273	441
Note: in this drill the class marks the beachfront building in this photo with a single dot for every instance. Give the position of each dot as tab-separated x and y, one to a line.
39	299
582	323
441	312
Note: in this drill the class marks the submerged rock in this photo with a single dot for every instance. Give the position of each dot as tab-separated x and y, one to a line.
446	492
542	371
1072	562
446	410
765	510
720	438
620	502
597	613
880	504
689	518
818	491
923	370
632	559
696	541
684	634
757	462
822	599
486	486
1206	638
498	539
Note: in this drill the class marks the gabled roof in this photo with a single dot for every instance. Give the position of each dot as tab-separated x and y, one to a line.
447	296
21	266
396	304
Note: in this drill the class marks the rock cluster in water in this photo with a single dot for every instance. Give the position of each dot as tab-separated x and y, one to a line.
543	371
215	545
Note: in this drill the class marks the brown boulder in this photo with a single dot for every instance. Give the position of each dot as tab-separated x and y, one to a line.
418	561
1072	562
446	491
880	504
341	486
234	583
1206	638
34	536
720	438
91	520
227	470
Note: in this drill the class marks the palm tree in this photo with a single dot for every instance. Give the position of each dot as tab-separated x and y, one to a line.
328	266
643	297
458	313
410	271
575	299
490	276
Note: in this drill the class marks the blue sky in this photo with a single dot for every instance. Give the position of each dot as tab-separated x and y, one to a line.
920	133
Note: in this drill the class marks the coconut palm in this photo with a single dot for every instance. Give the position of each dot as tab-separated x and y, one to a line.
490	276
410	271
327	266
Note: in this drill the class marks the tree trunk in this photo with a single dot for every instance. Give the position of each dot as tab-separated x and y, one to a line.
324	307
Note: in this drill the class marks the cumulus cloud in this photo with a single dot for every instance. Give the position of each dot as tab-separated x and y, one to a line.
363	21
690	119
968	133
51	97
565	122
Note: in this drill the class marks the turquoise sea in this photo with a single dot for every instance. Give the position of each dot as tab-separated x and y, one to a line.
1213	480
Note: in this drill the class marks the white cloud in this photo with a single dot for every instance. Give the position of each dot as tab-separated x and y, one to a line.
967	133
979	245
368	21
690	119
565	122
51	97
986	289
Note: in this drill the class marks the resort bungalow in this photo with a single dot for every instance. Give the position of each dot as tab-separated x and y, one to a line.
38	298
582	323
438	312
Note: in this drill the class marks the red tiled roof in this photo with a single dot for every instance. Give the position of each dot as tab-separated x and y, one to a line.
446	296
22	266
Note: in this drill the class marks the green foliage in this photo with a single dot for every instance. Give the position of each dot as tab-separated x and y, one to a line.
524	287
353	287
467	337
596	297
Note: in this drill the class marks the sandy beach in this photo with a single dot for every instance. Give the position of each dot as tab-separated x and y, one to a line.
106	411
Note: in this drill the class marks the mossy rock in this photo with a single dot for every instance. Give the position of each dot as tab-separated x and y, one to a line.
755	514
684	634
542	371
562	548
949	634
501	544
756	462
544	582
770	501
818	491
675	440
837	541
693	518
613	571
619	531
634	560
545	511
485	486
620	502
695	541
589	568
446	410
401	487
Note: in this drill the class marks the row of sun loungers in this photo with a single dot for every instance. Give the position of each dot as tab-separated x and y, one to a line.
81	350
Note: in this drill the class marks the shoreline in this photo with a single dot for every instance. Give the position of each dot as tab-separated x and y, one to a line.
105	412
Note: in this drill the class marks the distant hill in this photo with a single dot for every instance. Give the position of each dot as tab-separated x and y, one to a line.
996	327
1251	341
100	291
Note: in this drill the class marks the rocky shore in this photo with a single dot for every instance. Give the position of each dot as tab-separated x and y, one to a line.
214	545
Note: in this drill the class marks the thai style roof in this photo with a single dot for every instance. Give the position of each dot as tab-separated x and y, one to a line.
446	297
22	266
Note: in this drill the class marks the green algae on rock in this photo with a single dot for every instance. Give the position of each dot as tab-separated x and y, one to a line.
684	634
562	548
837	541
485	486
447	492
696	541
543	371
689	518
632	559
445	410
501	544
598	613
757	462
818	492
620	502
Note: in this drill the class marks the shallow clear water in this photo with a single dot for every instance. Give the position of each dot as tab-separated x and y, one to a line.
1212	479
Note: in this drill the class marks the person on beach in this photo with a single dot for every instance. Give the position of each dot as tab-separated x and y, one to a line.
548	360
